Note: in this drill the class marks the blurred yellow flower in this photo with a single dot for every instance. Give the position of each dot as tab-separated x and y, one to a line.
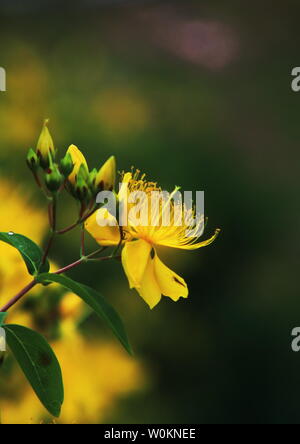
96	374
121	111
28	83
19	215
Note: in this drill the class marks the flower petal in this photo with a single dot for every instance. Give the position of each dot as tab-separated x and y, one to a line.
170	283
135	256
78	160
123	191
107	174
190	244
149	289
108	235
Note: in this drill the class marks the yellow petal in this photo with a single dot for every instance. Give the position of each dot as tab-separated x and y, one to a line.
190	245
45	143
135	256
149	289
170	283
107	174
123	193
78	160
106	236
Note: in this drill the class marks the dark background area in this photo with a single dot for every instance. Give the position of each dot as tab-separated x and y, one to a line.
196	94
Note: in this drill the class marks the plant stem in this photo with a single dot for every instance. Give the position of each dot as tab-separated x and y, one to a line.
48	248
37	179
66	230
97	252
18	296
70	266
82	247
52	209
80	221
33	283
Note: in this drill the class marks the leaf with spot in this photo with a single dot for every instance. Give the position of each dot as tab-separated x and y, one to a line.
39	364
95	300
30	252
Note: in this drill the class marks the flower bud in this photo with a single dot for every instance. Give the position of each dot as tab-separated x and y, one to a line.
106	176
45	146
32	160
54	178
92	179
81	191
66	165
78	160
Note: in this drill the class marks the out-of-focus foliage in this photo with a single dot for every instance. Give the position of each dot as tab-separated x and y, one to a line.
198	94
96	375
17	215
96	372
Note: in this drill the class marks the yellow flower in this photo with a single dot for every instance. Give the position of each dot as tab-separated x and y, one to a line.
145	271
97	375
101	372
17	214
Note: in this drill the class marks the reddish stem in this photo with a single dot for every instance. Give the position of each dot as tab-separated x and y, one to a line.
18	296
34	283
69	267
71	227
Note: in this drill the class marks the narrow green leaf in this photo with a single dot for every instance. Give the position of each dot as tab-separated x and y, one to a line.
96	301
30	252
39	364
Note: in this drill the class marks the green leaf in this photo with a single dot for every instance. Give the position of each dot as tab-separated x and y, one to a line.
96	301
2	317
39	364
30	252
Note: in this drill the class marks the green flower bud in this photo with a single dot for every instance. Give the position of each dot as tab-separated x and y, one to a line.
83	172
45	146
66	165
32	160
92	180
82	191
54	178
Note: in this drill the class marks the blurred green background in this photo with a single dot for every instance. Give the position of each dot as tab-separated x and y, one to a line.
195	94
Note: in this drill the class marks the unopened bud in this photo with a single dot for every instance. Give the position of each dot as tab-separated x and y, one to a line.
82	191
32	160
78	160
92	180
53	178
45	146
66	165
